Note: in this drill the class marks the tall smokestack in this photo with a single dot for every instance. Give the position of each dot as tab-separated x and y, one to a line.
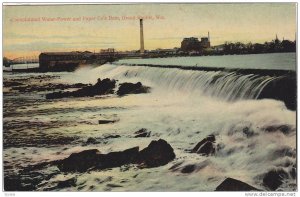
208	37
141	37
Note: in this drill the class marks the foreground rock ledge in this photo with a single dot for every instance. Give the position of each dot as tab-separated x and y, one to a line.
231	184
157	153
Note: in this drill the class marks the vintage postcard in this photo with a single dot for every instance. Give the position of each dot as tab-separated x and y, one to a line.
149	97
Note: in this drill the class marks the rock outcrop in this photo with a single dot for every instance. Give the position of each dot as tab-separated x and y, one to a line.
206	146
102	87
93	159
157	153
131	88
142	133
274	178
230	184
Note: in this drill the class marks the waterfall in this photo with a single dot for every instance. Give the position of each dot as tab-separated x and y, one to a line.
229	86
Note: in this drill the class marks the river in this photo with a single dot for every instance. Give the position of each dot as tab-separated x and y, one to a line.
253	136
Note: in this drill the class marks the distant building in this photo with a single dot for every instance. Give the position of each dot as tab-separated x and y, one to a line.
108	50
205	42
193	44
190	44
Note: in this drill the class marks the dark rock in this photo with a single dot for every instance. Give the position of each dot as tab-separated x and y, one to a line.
11	83
293	172
285	129
13	184
188	169
274	178
67	183
206	146
142	133
22	182
157	153
80	162
113	185
283	89
106	121
131	88
102	87
230	184
117	159
92	159
111	136
91	140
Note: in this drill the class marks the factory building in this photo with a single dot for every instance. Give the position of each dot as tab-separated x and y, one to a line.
193	44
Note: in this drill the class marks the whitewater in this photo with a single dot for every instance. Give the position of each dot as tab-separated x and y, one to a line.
183	107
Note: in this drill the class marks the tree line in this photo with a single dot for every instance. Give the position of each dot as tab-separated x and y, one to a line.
275	46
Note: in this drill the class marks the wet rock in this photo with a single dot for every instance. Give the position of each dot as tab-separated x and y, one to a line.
67	183
188	169
117	159
293	172
11	83
92	159
102	87
91	140
113	185
274	178
106	121
111	136
230	184
206	146
80	162
285	129
157	153
131	88
283	89
13	184
142	133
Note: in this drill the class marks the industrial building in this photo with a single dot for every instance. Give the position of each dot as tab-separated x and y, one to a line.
193	44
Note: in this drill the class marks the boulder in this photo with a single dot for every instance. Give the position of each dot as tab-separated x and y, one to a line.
102	87
92	159
282	88
230	184
274	178
13	183
79	162
157	153
142	133
91	140
188	168
67	183
106	121
206	146
131	88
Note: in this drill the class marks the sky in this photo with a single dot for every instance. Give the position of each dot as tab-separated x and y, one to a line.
32	29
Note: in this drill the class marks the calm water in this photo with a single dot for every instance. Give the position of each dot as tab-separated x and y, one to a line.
281	61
